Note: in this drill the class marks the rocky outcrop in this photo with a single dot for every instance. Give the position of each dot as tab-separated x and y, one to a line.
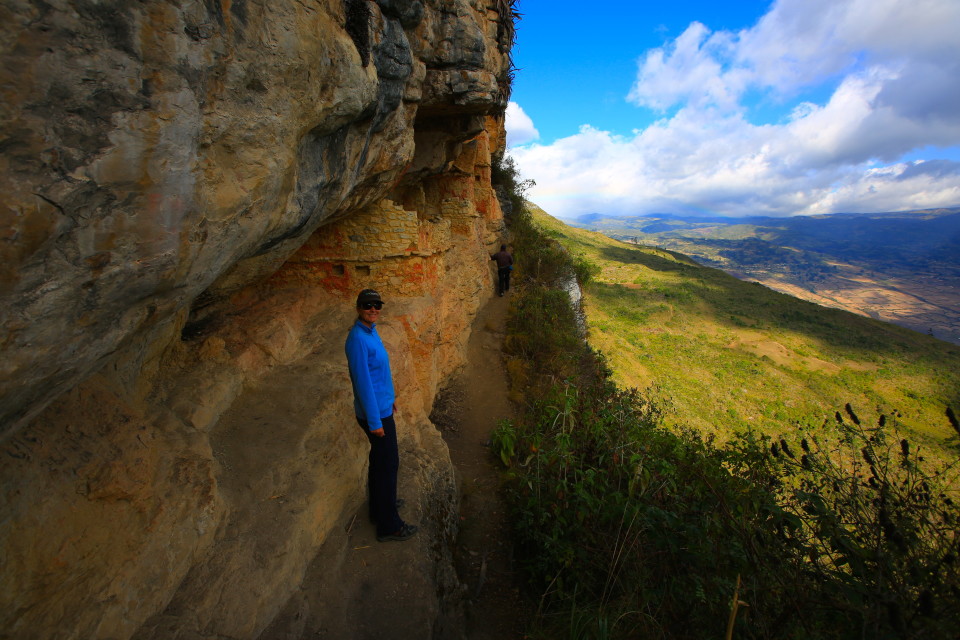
193	194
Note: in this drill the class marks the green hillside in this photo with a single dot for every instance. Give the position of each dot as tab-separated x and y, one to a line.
724	356
628	523
900	267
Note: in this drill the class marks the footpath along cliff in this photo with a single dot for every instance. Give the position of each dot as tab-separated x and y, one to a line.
192	195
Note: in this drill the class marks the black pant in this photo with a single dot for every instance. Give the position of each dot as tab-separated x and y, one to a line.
382	477
503	278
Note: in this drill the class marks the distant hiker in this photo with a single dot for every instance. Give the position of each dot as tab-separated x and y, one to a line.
374	403
504	267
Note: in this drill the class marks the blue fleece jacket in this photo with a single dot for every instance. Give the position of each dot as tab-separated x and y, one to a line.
373	394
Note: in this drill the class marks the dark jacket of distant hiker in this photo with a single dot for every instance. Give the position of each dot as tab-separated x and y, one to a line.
504	267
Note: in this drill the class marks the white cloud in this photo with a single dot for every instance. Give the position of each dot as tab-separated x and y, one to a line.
911	185
894	66
689	71
520	129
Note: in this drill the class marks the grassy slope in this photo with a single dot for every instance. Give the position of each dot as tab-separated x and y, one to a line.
721	355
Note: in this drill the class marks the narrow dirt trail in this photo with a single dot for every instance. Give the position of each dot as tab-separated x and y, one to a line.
467	412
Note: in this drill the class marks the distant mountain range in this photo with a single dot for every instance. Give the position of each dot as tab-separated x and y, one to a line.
901	267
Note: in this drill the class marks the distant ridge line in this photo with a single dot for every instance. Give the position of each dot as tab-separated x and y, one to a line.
590	218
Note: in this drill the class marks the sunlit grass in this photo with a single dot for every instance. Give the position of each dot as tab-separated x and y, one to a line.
725	356
628	529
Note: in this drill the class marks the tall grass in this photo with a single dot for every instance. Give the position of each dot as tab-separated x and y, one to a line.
628	529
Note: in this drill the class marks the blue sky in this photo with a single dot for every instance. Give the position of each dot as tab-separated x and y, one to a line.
771	108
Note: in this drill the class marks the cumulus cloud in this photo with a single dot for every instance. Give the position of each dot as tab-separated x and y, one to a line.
893	68
690	70
520	129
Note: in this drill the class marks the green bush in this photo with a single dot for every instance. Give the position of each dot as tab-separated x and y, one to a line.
584	269
629	530
542	329
596	487
617	515
875	531
504	174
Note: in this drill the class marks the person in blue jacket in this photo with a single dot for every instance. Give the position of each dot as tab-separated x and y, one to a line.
374	402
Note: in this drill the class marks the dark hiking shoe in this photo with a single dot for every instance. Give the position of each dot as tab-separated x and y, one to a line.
406	532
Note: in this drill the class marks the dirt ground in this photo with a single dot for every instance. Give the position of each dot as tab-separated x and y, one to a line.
467	412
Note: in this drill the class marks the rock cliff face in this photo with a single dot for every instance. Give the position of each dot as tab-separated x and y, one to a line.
193	193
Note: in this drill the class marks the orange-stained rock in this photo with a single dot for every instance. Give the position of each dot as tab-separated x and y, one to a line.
193	195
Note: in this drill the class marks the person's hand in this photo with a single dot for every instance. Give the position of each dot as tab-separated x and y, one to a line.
394	407
378	432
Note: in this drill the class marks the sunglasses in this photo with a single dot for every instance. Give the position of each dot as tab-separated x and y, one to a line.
371	305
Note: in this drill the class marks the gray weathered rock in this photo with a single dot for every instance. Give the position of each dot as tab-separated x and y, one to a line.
183	184
155	150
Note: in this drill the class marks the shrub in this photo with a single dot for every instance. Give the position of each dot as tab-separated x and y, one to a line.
874	539
615	514
505	175
629	530
584	269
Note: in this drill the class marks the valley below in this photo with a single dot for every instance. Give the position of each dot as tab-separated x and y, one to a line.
924	302
759	334
902	267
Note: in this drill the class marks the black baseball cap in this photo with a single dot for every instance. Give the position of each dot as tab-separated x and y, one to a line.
368	295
